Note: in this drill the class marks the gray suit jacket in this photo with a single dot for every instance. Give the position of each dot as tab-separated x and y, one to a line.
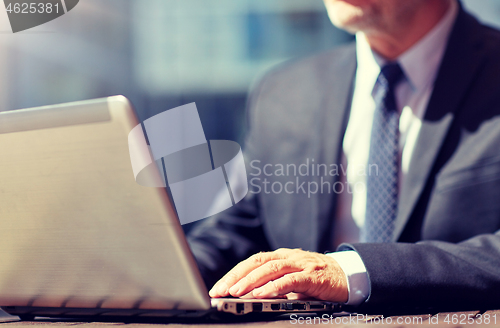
447	239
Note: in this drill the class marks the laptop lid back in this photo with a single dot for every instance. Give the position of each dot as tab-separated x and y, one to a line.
76	230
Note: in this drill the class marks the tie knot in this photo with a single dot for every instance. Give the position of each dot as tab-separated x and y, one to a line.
391	74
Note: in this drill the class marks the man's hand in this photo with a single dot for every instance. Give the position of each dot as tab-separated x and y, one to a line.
284	271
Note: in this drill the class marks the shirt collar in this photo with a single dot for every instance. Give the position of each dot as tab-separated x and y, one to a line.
419	63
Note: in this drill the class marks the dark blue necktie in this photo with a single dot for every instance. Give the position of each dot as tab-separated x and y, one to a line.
383	160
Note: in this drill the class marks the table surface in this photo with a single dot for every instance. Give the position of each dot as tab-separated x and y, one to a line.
448	319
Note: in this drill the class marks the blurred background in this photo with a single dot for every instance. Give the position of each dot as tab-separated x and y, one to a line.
161	54
166	53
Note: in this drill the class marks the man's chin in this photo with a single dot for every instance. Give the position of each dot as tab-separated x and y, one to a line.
346	15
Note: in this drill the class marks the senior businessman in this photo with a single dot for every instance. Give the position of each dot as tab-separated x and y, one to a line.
417	98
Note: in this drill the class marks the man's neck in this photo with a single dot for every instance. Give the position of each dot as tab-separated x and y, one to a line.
396	40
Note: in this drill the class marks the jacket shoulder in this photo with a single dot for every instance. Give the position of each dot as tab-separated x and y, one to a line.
313	67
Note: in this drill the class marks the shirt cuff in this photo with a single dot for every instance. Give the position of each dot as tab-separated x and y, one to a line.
355	272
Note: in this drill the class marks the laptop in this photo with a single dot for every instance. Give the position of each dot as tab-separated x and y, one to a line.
78	235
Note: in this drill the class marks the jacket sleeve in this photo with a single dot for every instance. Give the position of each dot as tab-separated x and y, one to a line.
434	274
221	241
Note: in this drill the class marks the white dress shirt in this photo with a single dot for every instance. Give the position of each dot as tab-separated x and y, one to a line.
420	65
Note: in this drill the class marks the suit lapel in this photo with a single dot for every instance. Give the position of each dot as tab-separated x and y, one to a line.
333	122
314	102
458	69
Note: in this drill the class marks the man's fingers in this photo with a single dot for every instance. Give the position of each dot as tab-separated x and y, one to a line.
297	296
221	288
296	282
285	271
270	270
250	296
